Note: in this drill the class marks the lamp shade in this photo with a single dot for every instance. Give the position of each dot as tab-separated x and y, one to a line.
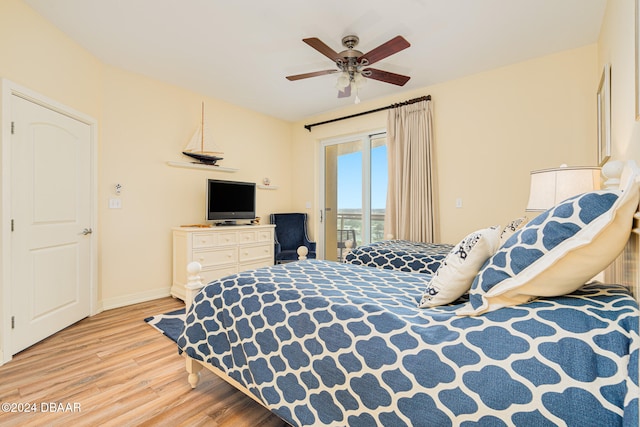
551	186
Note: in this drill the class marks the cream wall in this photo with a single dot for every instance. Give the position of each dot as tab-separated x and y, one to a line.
35	54
616	47
490	131
142	123
145	124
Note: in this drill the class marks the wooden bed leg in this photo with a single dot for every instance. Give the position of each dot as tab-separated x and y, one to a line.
194	284
193	368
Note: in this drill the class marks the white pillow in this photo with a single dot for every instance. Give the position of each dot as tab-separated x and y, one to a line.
511	228
455	275
558	251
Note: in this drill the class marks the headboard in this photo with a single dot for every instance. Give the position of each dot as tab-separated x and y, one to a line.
625	269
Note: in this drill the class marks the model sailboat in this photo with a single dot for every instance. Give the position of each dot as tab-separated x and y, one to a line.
201	147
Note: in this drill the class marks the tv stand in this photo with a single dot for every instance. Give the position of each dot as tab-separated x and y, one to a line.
224	223
221	251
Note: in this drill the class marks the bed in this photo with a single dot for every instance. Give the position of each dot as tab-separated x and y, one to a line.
326	343
417	257
401	255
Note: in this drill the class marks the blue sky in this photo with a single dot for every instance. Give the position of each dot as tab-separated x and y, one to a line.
350	179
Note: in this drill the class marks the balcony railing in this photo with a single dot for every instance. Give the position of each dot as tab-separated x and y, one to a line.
353	221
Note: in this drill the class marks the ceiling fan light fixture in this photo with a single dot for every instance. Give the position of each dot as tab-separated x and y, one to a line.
352	64
343	81
359	80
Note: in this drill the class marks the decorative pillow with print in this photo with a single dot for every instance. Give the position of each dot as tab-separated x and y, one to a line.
455	275
558	251
511	228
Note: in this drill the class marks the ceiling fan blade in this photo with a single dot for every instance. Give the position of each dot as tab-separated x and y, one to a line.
345	93
319	45
312	74
387	77
394	45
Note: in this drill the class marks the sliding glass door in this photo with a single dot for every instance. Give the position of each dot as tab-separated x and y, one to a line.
354	189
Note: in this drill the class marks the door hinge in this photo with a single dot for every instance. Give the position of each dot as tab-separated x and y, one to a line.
12	225
13	128
13	322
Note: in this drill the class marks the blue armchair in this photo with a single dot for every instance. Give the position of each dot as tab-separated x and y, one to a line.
290	234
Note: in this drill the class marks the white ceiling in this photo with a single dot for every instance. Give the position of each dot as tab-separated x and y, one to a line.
240	51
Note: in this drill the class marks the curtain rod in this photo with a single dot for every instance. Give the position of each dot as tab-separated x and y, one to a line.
388	107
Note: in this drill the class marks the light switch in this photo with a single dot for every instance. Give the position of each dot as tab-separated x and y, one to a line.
459	202
115	203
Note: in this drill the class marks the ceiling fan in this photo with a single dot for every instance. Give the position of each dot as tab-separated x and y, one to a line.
354	65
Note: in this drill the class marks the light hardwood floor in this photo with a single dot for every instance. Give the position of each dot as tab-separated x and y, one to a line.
119	371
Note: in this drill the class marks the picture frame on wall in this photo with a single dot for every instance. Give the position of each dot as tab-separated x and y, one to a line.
604	115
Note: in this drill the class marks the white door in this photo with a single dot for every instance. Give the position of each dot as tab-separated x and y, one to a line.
51	220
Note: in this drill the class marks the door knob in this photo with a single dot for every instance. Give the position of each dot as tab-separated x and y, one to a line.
86	231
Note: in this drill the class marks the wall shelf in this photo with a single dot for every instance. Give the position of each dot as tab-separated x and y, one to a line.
201	166
267	187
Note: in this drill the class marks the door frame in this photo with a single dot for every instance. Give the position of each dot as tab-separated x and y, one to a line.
321	181
9	89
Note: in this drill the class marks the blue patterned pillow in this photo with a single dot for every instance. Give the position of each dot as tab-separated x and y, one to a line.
556	252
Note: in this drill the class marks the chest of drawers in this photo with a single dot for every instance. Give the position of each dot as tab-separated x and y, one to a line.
220	250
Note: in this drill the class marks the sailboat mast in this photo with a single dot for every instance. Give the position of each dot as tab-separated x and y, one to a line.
202	130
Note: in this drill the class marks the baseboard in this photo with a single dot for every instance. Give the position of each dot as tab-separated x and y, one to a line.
117	302
97	308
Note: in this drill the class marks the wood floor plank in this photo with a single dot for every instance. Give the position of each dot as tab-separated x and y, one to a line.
120	371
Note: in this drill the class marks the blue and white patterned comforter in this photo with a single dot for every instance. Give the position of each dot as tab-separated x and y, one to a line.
325	343
401	255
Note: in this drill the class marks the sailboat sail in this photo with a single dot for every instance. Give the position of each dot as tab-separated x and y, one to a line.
201	147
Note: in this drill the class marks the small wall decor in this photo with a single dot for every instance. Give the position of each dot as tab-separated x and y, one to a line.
604	116
266	185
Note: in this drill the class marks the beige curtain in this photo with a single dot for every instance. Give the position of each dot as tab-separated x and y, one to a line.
410	196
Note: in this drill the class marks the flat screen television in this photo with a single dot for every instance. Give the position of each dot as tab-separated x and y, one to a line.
229	201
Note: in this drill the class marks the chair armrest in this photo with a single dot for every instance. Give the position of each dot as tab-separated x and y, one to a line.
307	242
310	245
